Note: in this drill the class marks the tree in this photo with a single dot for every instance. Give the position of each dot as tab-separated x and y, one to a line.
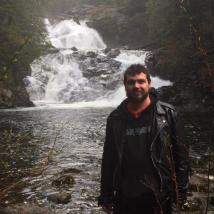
22	33
184	34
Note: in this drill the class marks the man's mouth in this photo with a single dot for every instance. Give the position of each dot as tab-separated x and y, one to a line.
138	92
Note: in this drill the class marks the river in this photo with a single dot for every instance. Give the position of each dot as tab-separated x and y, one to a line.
77	136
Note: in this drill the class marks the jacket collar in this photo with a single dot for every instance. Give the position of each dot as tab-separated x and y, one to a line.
159	108
120	110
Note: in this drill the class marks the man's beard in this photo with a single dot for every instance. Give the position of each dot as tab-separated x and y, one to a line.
134	99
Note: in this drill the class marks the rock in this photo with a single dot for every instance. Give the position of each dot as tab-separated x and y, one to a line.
107	50
113	53
102	59
193	187
72	170
91	54
119	29
115	64
90	72
10	98
12	89
194	204
74	49
26	209
198	187
63	181
60	198
7	94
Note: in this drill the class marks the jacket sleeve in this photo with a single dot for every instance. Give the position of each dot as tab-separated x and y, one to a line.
180	157
108	166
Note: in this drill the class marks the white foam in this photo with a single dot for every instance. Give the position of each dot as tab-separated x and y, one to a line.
57	79
68	34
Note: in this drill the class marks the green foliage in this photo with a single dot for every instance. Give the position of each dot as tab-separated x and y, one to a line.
184	33
21	33
170	28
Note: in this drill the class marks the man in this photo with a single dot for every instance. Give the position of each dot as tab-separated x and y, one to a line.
145	165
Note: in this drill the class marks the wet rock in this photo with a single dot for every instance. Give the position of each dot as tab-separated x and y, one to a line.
7	94
118	29
107	50
102	58
74	49
6	98
115	64
81	57
12	89
195	161
198	187
25	209
91	54
104	66
76	54
72	170
60	198
193	187
113	53
64	181
89	72
93	61
194	204
189	194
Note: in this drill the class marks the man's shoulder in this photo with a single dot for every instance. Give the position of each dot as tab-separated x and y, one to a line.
119	110
115	113
166	105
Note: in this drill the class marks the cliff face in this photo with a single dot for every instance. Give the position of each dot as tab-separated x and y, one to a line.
121	29
12	89
120	24
22	36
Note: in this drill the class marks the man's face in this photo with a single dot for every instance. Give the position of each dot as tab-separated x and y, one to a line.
137	87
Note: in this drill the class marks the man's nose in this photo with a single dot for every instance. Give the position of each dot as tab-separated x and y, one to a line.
137	84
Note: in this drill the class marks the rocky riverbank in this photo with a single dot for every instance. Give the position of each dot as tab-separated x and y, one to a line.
200	194
71	179
12	87
185	93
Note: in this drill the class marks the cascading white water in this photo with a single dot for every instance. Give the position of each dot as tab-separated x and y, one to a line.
68	34
80	76
57	78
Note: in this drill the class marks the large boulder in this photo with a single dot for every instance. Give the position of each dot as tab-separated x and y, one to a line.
12	88
60	198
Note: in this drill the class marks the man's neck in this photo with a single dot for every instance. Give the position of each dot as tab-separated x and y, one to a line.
139	107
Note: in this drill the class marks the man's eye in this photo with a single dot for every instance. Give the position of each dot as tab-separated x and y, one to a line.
141	81
130	82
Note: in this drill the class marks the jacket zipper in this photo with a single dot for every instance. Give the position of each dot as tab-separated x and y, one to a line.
161	180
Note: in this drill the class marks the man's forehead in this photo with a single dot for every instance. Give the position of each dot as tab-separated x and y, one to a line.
138	75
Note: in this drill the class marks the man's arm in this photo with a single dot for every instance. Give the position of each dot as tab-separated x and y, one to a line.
109	161
180	157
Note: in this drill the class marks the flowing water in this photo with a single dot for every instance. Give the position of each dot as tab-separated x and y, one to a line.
84	75
66	128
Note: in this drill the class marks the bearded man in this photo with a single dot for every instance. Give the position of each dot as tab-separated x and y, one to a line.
145	164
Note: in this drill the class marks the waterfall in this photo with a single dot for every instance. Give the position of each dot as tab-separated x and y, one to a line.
82	73
68	34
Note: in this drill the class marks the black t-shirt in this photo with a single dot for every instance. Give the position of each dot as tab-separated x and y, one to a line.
137	166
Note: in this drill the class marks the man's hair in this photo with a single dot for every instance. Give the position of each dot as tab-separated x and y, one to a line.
134	69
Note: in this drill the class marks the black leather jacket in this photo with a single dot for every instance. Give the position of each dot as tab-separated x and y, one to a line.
168	154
